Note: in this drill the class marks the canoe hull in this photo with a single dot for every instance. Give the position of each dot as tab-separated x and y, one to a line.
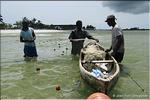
102	85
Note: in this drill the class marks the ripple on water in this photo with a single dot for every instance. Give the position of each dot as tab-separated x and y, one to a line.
56	69
7	85
6	76
44	86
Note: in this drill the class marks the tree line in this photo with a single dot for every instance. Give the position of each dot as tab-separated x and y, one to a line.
37	24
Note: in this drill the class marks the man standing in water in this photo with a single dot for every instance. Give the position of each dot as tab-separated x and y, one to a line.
117	39
27	36
77	38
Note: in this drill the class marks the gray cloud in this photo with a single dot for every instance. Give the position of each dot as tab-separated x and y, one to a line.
133	7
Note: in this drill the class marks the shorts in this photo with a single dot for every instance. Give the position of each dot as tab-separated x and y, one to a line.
30	51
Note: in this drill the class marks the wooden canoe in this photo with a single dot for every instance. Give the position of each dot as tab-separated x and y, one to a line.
101	84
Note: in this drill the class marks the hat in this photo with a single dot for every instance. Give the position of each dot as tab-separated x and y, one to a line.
110	17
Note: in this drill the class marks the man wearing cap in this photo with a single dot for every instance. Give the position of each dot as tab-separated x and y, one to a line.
77	38
27	36
117	44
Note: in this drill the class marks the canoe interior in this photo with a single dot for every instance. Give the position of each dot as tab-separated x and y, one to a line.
100	84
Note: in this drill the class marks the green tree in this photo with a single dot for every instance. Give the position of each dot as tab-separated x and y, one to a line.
1	19
33	22
2	25
18	24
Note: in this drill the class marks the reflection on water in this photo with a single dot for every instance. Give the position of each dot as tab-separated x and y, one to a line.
38	78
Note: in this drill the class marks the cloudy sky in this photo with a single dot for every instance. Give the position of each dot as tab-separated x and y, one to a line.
128	13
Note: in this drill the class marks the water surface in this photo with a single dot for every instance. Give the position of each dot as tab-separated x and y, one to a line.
20	78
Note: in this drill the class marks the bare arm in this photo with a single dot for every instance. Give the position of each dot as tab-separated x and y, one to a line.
70	36
108	50
94	39
91	37
119	39
21	40
34	36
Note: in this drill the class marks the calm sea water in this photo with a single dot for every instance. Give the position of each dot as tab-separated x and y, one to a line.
20	79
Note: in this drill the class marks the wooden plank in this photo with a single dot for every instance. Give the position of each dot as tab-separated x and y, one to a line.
102	61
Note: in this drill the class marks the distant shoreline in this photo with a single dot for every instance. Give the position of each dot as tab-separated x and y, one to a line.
36	31
51	31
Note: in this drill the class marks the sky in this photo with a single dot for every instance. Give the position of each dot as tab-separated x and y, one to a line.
128	13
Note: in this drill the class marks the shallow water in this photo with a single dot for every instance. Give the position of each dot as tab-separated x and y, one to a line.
20	78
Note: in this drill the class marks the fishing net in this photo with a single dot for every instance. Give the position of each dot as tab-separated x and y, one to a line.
92	51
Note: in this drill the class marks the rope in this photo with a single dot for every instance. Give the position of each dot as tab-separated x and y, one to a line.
143	90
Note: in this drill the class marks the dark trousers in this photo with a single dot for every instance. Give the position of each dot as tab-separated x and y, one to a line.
76	48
